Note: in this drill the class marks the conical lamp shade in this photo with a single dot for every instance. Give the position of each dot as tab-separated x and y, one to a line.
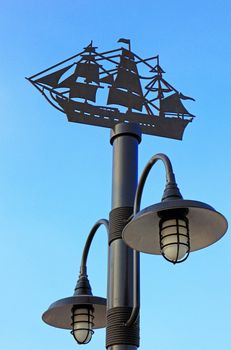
60	312
206	225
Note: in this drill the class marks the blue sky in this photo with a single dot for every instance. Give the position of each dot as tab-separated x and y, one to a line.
55	178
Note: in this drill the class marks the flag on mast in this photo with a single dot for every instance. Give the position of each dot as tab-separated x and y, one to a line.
122	40
126	41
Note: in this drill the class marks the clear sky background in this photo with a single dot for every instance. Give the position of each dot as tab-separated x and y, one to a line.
55	177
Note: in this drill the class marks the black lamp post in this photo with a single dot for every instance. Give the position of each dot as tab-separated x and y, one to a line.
174	227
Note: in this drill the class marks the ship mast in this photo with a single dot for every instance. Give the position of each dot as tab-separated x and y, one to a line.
126	90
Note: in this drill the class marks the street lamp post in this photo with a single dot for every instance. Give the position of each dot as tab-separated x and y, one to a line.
125	139
174	227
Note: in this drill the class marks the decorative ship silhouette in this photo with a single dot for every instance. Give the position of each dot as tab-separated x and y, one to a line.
74	90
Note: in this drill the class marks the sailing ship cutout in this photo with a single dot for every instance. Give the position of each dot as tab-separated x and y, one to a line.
105	89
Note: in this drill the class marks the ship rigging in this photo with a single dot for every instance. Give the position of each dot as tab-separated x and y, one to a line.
106	88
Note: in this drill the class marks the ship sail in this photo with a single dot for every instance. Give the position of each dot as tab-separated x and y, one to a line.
89	71
127	63
125	98
108	79
173	104
126	89
170	104
79	90
128	80
53	78
86	91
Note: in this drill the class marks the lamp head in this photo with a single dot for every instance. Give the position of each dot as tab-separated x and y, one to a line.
81	312
149	230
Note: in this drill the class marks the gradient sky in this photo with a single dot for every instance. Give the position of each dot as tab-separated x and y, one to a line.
55	177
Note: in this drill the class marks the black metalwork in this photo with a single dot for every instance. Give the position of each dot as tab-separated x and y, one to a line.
142	233
60	313
83	285
83	265
118	219
117	332
76	87
113	77
171	189
122	267
206	225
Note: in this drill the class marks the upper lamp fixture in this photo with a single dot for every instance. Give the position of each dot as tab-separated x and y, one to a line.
81	312
174	227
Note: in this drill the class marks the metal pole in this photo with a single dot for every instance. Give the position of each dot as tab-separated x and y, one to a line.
125	139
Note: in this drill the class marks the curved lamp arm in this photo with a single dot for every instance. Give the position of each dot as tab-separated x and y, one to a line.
170	178
83	265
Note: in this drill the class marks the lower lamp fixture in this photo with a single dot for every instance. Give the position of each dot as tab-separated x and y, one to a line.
81	312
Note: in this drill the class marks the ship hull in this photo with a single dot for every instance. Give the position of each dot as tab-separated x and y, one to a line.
85	113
